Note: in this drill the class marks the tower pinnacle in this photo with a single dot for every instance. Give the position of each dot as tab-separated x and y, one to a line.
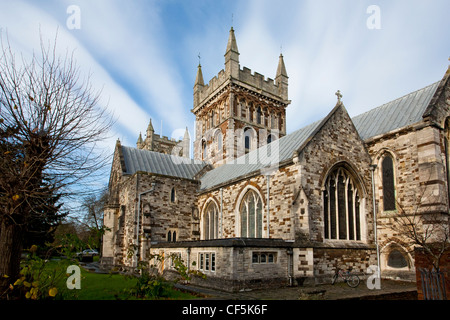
199	79
281	79
232	56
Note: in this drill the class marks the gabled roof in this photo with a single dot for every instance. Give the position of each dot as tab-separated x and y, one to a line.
396	114
256	160
154	162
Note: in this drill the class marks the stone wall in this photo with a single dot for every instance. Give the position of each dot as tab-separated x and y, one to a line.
160	214
284	183
326	260
238	263
243	263
420	186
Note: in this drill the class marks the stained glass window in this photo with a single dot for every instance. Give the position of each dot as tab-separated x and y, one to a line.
341	206
388	184
251	215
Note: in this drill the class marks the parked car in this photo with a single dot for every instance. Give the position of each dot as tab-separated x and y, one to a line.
88	253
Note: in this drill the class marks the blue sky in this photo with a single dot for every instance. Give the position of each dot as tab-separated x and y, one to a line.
143	55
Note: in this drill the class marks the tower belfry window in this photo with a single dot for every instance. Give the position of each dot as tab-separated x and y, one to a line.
204	150
248	135
258	115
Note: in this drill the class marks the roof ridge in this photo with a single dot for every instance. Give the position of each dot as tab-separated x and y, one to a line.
399	98
165	154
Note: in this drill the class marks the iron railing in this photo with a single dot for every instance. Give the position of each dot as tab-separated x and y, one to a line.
433	284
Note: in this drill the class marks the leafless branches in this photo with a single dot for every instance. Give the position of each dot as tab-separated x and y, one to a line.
51	115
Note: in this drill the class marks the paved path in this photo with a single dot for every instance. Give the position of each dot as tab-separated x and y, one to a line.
390	290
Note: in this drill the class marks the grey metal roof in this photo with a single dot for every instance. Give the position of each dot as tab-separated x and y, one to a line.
159	163
399	113
256	160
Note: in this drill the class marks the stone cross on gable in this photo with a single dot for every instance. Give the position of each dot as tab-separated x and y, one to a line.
339	95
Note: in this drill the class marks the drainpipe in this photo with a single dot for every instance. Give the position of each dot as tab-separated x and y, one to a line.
221	214
268	206
138	227
372	168
188	259
290	266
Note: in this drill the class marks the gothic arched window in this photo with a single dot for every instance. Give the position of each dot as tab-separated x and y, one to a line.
258	115
341	202
204	150
248	137
218	141
173	195
251	215
211	222
212	119
387	168
397	260
271	138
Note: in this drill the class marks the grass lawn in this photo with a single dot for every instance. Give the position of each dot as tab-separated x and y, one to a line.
97	286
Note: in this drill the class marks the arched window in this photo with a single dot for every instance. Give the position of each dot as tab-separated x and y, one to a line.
204	150
212	119
173	195
218	141
211	222
341	202
248	139
251	215
169	236
397	260
258	115
280	122
270	138
388	183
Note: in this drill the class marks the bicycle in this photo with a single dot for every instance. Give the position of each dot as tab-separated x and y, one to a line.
351	279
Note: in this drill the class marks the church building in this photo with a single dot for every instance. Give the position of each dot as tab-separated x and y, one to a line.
258	207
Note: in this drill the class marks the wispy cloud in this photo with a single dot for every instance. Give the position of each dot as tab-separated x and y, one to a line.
143	54
327	46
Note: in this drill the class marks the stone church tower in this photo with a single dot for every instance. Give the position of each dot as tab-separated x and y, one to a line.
162	144
238	111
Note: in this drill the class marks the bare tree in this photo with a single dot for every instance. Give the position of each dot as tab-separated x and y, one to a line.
50	126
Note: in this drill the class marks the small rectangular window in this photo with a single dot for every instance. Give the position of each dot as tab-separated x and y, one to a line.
207	262
213	262
200	263
264	257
